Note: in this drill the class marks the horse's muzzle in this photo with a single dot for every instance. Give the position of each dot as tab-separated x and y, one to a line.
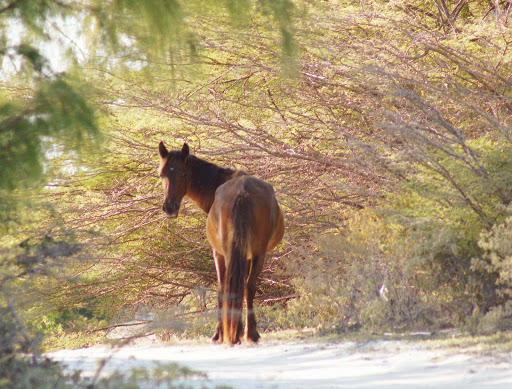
171	209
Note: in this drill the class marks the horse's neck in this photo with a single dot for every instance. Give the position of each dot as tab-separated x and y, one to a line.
205	178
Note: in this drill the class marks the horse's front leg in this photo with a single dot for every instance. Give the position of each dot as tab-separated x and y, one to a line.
220	266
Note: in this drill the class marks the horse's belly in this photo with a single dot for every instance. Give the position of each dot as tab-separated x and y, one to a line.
212	233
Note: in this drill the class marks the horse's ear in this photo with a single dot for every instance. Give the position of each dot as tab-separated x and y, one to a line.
185	151
163	151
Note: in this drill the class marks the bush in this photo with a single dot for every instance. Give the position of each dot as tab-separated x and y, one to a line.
422	257
497	258
357	279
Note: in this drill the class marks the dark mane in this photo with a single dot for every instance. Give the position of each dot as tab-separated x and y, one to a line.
206	177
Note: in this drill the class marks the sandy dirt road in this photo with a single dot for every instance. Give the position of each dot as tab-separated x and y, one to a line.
375	364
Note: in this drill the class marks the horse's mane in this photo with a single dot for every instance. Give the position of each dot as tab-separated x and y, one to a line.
206	177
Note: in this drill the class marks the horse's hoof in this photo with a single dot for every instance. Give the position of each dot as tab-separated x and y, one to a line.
252	338
215	338
237	341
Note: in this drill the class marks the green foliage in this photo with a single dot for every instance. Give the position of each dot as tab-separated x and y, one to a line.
54	112
498	318
424	256
21	373
497	257
358	278
445	223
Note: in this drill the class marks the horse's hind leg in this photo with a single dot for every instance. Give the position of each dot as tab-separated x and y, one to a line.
220	266
256	266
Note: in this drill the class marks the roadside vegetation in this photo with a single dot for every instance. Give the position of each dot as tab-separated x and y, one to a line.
384	127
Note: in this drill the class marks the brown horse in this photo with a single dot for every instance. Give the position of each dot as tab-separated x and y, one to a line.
244	223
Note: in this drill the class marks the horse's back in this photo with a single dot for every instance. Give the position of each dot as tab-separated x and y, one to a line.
250	198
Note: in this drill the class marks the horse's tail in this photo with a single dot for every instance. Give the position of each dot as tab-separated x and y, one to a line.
234	284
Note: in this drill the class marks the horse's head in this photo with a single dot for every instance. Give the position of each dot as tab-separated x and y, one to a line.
173	171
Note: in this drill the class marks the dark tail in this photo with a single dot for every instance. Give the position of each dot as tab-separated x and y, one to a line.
241	215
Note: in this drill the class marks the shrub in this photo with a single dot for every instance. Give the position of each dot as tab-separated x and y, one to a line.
357	279
497	258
